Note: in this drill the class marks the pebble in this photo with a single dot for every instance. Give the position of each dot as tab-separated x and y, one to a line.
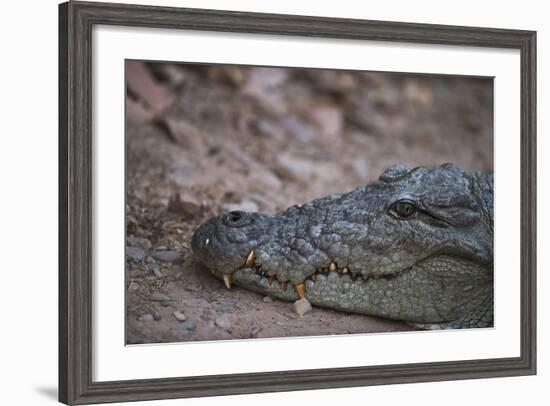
223	322
302	306
186	207
267	299
154	268
133	286
168	256
295	168
179	315
142	243
299	129
329	119
160	297
135	253
157	316
146	317
187	325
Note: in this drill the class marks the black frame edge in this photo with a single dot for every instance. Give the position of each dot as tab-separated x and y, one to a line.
63	341
75	169
529	200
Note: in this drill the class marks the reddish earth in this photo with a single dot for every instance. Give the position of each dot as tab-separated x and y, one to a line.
206	139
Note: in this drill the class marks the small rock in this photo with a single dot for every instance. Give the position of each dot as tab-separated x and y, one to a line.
185	207
223	322
264	84
133	286
135	253
137	112
419	94
183	133
142	83
329	120
157	316
264	128
154	268
299	129
295	167
168	256
146	317
179	315
302	306
187	325
174	74
160	297
267	299
260	178
261	199
142	243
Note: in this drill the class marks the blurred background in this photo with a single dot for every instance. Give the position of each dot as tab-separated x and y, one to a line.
203	139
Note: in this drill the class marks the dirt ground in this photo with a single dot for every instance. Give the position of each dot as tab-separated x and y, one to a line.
202	140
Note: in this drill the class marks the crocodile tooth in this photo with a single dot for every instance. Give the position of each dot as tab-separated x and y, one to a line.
345	269
250	259
314	277
332	266
284	285
300	290
270	279
228	280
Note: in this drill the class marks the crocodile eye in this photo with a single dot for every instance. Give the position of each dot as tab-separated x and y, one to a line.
403	209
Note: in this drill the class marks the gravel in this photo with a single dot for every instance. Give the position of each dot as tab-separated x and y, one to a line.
179	315
302	307
135	253
154	268
146	317
160	297
168	256
223	322
187	325
142	243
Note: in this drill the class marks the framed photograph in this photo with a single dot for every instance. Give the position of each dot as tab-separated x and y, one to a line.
258	202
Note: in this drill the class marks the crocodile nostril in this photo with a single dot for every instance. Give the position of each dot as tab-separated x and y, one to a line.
235	216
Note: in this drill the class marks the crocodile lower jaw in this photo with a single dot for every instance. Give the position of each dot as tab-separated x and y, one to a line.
267	282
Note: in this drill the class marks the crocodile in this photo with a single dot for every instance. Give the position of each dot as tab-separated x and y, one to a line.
415	245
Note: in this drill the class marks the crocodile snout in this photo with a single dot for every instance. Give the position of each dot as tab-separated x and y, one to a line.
224	242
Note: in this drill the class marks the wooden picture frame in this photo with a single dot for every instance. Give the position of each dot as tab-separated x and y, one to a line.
76	20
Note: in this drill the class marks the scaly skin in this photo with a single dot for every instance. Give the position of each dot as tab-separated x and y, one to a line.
416	245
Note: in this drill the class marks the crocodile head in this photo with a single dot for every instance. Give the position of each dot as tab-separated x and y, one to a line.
415	245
